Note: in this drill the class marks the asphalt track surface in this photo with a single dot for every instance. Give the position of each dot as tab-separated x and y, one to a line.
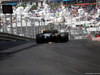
76	57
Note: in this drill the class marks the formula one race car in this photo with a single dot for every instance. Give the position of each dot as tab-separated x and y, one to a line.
52	36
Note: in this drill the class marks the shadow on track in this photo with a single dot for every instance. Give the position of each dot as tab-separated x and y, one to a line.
7	45
5	55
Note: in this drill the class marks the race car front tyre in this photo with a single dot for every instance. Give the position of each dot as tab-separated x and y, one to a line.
39	38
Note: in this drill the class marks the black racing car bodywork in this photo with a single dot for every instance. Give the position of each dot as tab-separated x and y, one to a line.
52	36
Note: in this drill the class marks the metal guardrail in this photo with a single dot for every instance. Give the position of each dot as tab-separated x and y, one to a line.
12	37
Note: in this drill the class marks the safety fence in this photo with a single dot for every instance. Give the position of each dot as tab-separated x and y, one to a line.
18	25
77	33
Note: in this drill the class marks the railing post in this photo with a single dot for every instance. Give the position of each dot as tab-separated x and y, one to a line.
39	27
21	25
34	29
26	28
11	28
69	33
49	26
44	24
5	25
78	34
74	33
16	25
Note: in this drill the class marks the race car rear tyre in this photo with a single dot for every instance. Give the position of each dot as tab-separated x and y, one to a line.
67	37
39	38
64	37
